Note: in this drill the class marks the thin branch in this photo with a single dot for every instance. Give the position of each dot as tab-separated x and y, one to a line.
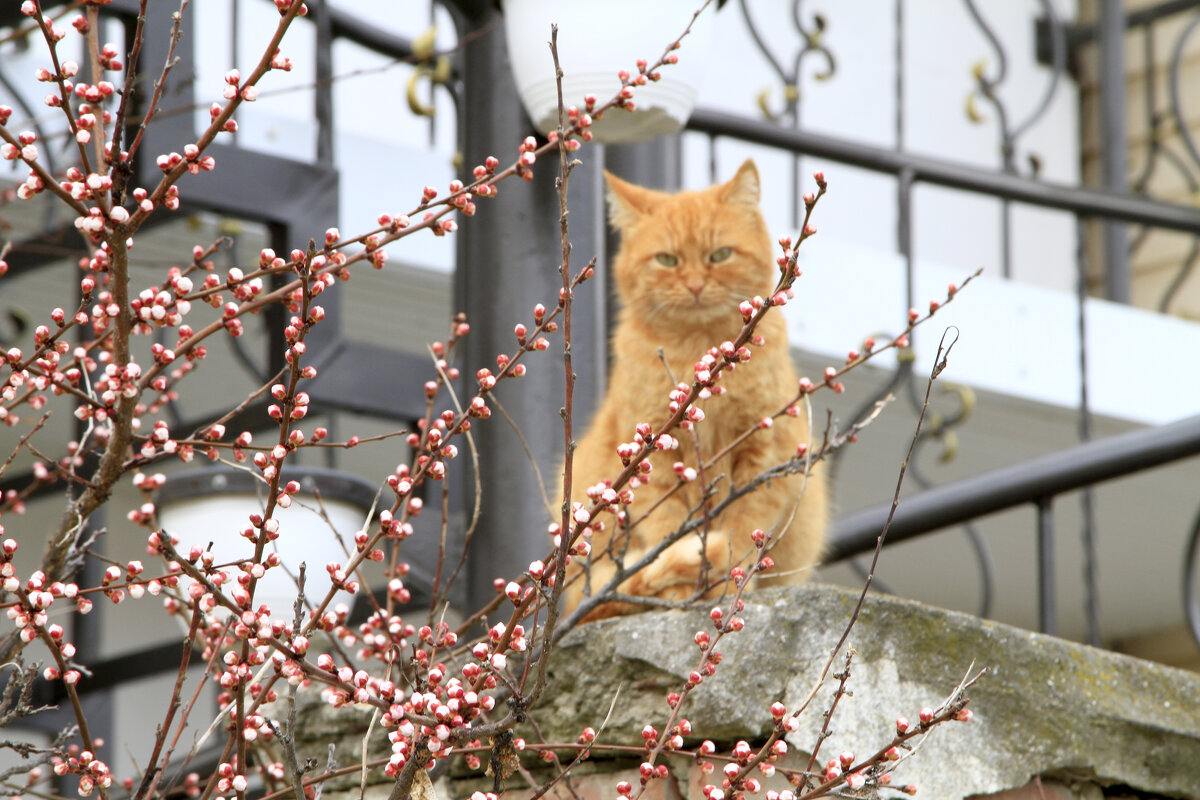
529	457
940	362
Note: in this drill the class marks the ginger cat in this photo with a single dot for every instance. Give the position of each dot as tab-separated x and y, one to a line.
685	263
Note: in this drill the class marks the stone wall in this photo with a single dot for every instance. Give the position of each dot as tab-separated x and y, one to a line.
1052	719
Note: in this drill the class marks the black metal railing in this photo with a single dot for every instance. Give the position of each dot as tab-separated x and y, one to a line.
1035	482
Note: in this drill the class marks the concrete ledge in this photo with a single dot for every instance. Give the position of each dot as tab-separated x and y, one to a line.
1049	708
1053	719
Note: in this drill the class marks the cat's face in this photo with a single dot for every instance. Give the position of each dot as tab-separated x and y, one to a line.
688	259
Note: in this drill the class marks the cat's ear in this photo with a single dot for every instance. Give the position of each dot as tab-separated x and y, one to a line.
744	186
627	202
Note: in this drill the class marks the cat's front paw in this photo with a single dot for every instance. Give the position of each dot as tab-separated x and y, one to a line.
684	571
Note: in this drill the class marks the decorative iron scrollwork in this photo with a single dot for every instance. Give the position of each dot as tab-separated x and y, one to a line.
1161	122
429	67
986	86
811	44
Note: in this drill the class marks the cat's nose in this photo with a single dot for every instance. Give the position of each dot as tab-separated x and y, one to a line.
696	289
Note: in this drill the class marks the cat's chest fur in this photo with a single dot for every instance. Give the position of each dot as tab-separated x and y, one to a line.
651	363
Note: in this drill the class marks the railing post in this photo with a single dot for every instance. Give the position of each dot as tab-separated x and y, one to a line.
904	231
1115	145
323	91
1047	611
1191	592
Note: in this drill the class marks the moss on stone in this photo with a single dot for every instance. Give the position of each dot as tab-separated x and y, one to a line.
1047	705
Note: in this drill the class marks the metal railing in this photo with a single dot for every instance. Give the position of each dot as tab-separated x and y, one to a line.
1034	482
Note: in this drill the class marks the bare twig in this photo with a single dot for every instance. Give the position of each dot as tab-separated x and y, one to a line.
537	471
940	362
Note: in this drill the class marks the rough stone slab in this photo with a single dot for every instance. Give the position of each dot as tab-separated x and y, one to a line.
319	725
1048	708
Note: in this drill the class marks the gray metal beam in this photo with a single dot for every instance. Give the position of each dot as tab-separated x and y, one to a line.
369	379
656	164
246	183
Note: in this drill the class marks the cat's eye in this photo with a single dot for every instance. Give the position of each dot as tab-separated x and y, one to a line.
666	259
717	256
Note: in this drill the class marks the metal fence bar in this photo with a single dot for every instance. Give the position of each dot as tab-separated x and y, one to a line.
365	32
1115	156
1008	487
1047	605
323	91
1191	592
1088	202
